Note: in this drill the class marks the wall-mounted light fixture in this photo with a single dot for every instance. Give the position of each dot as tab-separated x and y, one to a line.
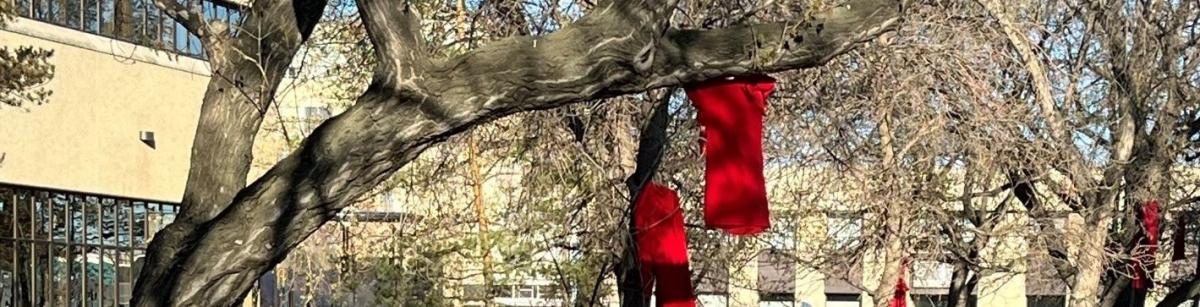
147	137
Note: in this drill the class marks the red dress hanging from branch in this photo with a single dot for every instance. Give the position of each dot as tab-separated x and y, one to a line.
730	112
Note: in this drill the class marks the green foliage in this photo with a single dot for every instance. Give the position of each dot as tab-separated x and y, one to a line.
24	70
409	280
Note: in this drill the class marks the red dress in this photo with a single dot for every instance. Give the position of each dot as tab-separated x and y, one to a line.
731	113
662	246
1147	246
900	297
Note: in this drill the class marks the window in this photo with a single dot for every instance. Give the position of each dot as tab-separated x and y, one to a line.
938	300
389	201
931	274
526	291
549	292
713	288
776	299
524	294
474	293
842	300
782	233
844	230
135	21
311	117
502	291
1042	278
776	279
316	113
1046	301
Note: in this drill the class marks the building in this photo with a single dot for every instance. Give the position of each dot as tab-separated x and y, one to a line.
87	179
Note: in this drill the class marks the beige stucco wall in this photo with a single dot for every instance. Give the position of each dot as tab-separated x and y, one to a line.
105	91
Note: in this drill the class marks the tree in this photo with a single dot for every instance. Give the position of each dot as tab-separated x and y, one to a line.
1113	103
23	71
228	234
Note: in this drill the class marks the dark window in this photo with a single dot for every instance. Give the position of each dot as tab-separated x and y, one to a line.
777	299
714	279
1046	301
713	286
502	291
776	274
135	21
1043	278
926	300
474	292
46	235
549	292
842	300
526	291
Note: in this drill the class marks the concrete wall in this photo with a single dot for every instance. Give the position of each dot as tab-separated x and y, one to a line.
105	91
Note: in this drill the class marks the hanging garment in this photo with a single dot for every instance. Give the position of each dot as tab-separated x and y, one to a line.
900	296
662	247
1179	238
1147	246
730	112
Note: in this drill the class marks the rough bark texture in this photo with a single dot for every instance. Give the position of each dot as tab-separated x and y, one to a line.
413	102
246	71
652	143
892	254
962	284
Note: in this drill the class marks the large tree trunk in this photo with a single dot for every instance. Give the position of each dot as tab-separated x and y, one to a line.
893	248
123	19
892	260
962	285
651	147
1090	259
239	92
414	102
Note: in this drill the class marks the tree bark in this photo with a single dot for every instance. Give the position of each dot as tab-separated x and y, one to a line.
892	253
962	283
123	19
246	71
414	102
652	144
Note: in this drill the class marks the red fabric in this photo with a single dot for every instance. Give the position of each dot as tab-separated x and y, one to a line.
731	113
1179	238
1143	255
662	246
900	297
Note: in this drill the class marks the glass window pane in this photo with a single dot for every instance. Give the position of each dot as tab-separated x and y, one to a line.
1046	301
474	292
525	291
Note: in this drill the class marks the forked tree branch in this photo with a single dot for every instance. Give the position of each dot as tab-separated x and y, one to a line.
395	32
192	19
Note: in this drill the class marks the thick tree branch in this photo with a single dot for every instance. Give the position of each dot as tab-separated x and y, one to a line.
597	57
190	18
246	71
395	31
1179	295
